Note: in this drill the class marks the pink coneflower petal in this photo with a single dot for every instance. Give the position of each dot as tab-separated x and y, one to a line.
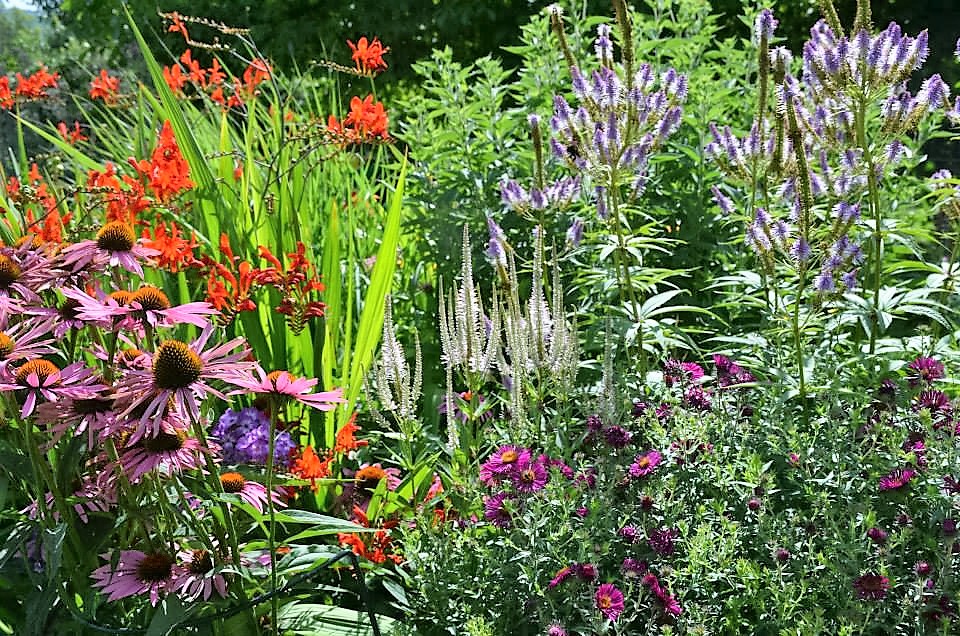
135	573
285	384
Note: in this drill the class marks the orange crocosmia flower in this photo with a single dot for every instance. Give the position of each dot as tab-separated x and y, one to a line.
177	26
167	171
174	77
71	136
6	96
309	466
368	57
175	251
35	86
105	87
196	73
346	441
215	74
367	118
123	204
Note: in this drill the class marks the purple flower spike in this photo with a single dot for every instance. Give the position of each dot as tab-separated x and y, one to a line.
764	26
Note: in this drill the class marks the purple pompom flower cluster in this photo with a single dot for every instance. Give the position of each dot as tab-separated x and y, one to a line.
245	438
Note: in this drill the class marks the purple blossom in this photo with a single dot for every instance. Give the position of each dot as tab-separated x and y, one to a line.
495	510
697	398
722	201
575	232
877	535
604	46
244	436
645	464
897	479
764	26
925	370
617	437
661	541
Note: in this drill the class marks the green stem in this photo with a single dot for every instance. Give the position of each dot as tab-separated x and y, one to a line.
275	600
624	267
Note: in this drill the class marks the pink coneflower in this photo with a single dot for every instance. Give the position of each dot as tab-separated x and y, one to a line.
170	451
151	306
897	479
925	370
91	415
556	629
645	464
41	379
135	573
182	373
23	274
91	496
250	491
196	577
284	384
116	245
495	510
530	475
609	600
871	586
146	306
26	340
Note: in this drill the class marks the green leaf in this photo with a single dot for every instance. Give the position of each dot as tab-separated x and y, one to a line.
170	613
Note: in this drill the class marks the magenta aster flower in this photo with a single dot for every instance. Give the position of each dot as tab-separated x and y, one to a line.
632	568
41	379
897	479
925	370
661	541
135	573
495	510
562	575
609	600
871	586
196	577
182	373
284	384
617	436
675	372
116	245
530	475
645	464
504	460
170	451
250	491
697	398
934	401
556	629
